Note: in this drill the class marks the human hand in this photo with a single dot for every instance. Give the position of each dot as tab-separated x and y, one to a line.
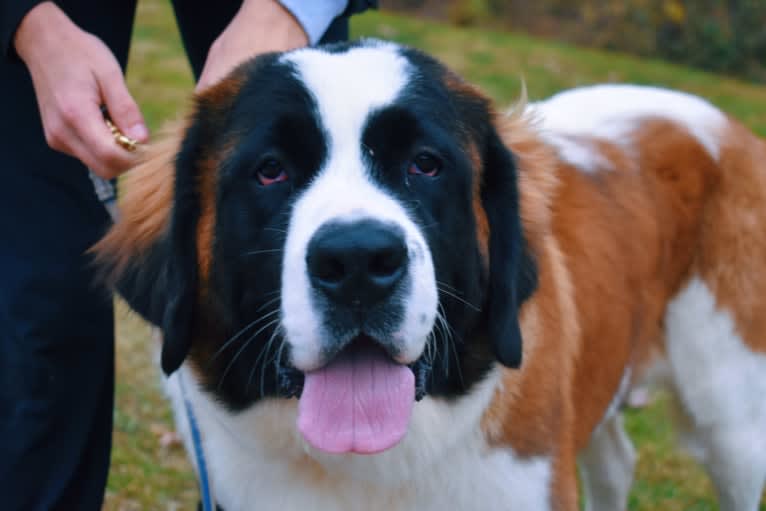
74	73
259	26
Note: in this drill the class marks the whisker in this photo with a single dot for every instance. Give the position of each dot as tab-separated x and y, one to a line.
447	286
445	333
263	352
275	229
277	361
457	363
430	349
242	349
445	347
264	251
456	297
241	333
451	344
268	303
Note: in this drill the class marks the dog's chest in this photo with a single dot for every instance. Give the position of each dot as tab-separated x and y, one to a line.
493	481
257	460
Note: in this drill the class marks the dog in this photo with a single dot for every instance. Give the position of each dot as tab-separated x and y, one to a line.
384	294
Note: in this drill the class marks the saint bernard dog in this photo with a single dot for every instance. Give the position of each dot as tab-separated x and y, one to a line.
382	294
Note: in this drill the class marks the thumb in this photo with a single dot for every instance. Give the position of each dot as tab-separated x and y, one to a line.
122	108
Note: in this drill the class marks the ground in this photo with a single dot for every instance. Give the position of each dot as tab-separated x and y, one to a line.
146	473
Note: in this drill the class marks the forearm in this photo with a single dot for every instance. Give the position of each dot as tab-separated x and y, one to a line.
12	12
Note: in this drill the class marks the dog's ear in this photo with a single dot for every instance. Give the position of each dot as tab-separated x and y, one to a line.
512	271
149	255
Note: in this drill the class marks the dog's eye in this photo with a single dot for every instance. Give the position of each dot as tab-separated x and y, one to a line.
425	164
270	172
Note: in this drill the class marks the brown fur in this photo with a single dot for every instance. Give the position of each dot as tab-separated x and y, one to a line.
482	224
146	202
531	411
208	178
733	241
613	245
216	100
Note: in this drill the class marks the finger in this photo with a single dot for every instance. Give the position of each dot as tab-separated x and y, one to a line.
82	152
94	143
63	127
122	108
74	146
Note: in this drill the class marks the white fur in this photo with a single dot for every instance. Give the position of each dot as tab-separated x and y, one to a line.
618	399
614	111
607	463
721	385
258	460
577	151
344	191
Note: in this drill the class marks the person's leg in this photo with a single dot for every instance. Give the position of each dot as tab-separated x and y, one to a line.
56	347
56	324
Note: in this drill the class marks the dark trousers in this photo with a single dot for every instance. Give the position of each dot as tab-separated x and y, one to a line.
56	324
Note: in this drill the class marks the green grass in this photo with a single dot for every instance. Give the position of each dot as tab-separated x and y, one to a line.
499	61
145	475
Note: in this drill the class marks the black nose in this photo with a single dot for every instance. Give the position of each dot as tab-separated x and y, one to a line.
358	263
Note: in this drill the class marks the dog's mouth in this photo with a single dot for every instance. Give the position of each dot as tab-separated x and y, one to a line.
360	402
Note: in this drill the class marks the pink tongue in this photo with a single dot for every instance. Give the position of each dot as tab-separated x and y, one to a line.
361	403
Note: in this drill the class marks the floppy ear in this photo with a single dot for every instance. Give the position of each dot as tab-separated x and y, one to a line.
512	271
149	255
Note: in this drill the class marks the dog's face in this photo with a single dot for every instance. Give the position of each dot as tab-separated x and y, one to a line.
344	228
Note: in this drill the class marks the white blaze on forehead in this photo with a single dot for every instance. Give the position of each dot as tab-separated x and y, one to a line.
348	86
613	111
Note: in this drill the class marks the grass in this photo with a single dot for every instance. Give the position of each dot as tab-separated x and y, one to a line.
147	475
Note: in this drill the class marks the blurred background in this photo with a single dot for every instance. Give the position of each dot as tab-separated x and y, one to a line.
722	36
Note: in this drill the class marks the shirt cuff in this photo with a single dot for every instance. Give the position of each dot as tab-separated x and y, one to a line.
315	16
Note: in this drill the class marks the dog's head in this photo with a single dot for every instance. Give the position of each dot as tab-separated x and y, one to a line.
340	224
